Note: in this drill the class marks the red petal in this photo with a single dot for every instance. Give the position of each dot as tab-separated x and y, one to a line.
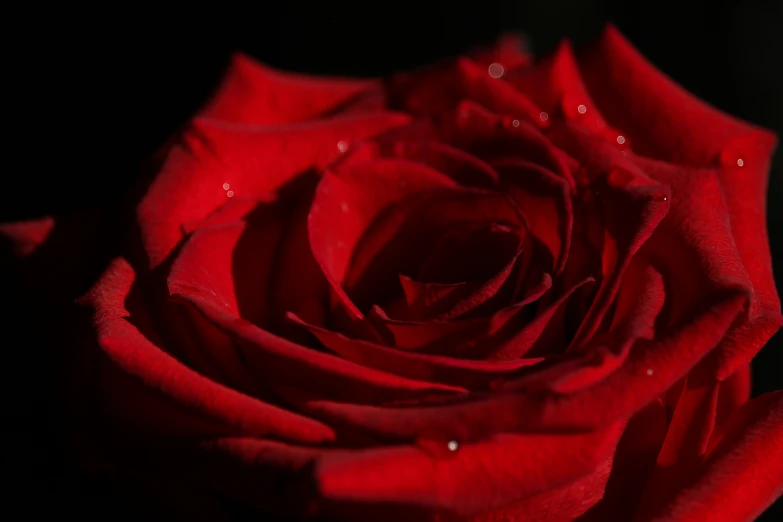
249	160
666	122
400	239
256	94
165	391
442	87
474	479
457	164
546	201
281	364
456	372
669	357
349	200
26	236
454	338
741	476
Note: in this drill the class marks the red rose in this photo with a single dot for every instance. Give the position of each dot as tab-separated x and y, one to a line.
493	289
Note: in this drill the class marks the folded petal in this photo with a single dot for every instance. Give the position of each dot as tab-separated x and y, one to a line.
215	161
741	475
666	122
457	372
159	394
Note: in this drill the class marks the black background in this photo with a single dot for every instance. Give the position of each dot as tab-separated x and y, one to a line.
92	94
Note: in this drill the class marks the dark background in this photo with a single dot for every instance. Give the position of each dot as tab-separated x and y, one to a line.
93	94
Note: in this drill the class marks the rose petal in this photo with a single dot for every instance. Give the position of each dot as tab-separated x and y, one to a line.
399	240
167	392
457	164
666	122
253	93
476	478
235	210
457	372
280	364
749	454
546	201
25	237
441	87
250	160
669	357
349	200
513	340
453	338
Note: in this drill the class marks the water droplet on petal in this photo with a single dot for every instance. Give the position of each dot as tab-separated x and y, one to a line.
496	70
544	116
740	162
230	193
649	371
582	109
226	186
438	448
342	146
515	123
620	139
344	206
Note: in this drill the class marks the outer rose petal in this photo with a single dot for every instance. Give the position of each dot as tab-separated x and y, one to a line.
666	122
741	476
255	94
476	478
250	160
273	361
161	382
26	236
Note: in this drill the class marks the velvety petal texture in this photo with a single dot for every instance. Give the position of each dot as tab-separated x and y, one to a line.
496	288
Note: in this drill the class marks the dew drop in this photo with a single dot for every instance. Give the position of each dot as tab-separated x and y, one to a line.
649	371
437	447
344	206
230	193
342	146
226	186
620	139
582	109
544	116
515	123
740	162
496	70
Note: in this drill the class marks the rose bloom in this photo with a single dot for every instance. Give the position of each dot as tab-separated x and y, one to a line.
492	289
